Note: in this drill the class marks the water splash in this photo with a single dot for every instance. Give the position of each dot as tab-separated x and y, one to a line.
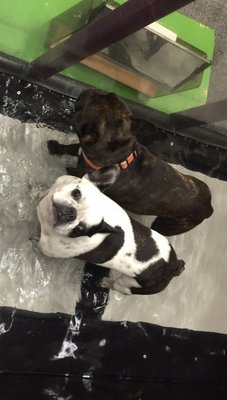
69	347
28	279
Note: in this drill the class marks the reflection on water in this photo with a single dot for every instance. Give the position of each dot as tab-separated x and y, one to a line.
28	279
197	298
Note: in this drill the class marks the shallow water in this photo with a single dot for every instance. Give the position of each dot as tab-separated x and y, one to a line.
197	298
29	280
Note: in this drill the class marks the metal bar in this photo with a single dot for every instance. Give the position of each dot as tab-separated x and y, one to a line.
121	22
169	123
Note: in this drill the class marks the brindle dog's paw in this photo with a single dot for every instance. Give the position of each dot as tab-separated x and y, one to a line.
55	148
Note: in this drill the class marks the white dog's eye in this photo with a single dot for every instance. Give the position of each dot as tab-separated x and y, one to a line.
76	194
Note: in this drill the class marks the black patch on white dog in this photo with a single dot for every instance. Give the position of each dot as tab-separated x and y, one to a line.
157	276
154	279
145	246
107	249
82	230
79	230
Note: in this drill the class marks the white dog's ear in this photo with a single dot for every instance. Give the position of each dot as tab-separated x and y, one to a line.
104	177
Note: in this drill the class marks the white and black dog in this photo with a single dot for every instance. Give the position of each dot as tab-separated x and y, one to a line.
78	220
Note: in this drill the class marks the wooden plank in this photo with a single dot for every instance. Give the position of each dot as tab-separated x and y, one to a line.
120	74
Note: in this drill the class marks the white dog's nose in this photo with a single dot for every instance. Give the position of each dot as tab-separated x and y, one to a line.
63	213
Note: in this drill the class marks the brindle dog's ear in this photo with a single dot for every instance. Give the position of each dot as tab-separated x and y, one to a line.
78	120
89	138
142	128
104	177
119	104
87	132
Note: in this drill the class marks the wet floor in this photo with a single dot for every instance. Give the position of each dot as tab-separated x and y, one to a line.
29	280
197	298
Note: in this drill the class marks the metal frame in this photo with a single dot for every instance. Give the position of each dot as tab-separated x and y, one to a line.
121	22
180	123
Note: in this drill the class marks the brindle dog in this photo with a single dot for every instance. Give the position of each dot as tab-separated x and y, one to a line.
146	185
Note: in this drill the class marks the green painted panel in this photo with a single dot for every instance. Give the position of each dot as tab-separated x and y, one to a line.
24	25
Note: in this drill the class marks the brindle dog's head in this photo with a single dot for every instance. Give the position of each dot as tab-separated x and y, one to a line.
103	124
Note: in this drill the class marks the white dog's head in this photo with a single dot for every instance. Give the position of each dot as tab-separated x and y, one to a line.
73	205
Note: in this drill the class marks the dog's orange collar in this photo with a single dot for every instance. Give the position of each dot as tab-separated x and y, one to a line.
123	164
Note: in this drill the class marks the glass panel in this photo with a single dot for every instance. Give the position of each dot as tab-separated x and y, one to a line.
213	14
165	66
25	25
